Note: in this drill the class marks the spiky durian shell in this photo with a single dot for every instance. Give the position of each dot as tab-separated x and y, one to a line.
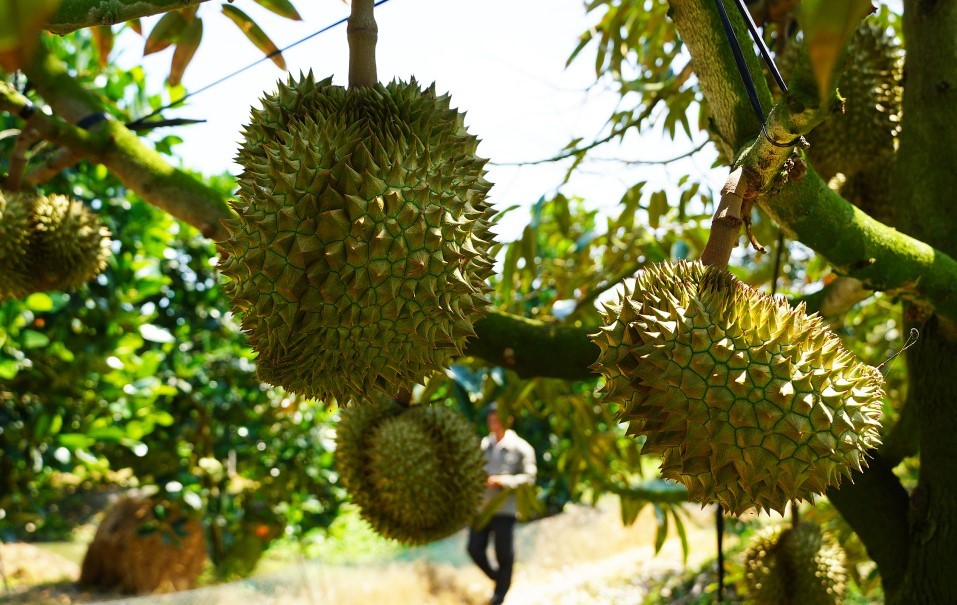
50	242
69	245
15	229
360	253
795	565
870	84
750	403
417	474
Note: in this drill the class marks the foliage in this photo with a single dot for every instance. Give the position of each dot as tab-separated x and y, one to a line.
143	369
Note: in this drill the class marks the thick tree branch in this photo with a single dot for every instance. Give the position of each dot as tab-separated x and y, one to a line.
77	14
858	246
875	505
110	143
534	348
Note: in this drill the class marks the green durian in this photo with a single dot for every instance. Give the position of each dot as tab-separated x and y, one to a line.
15	229
50	242
750	403
359	257
69	246
870	84
417	474
795	565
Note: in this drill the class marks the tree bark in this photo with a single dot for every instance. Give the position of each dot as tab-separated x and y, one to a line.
924	181
77	14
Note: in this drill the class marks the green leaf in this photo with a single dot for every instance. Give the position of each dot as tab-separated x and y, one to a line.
657	207
34	340
74	441
283	8
39	302
630	508
165	32
185	49
255	34
8	368
662	519
827	27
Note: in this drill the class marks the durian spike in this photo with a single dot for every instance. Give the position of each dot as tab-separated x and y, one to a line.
727	220
363	33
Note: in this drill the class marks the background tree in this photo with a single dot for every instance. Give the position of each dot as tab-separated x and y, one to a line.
652	50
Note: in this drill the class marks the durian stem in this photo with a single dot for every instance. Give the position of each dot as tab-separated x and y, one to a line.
363	33
795	513
727	220
18	159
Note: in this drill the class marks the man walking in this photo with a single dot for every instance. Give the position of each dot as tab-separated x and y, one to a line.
510	463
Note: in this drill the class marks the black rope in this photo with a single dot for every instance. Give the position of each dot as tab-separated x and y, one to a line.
765	53
719	524
139	121
746	74
740	63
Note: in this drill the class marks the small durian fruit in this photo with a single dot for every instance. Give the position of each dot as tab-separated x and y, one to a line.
870	84
750	403
15	229
795	565
359	257
417	474
69	246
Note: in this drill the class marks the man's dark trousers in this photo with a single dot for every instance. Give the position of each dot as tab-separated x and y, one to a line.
503	527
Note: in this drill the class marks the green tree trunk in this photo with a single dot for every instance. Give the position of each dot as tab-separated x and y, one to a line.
924	189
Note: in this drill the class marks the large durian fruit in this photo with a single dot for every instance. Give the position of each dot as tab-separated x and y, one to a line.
15	229
360	253
797	565
48	242
870	83
417	474
750	403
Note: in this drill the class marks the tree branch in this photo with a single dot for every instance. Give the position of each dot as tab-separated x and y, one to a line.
875	505
140	168
534	348
77	14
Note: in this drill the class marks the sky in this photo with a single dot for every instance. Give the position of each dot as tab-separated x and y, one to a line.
502	61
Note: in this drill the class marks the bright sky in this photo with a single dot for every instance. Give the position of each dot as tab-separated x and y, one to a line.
503	61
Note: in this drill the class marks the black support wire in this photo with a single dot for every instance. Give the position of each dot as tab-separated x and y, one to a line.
141	123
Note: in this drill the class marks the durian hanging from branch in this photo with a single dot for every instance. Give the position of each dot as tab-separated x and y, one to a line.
48	242
750	404
359	257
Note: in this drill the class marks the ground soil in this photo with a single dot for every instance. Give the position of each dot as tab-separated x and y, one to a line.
581	557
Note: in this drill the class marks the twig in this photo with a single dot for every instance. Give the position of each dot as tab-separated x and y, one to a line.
684	155
18	158
62	159
363	33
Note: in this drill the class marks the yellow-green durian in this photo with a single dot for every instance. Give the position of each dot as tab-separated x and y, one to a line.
15	229
417	474
69	245
797	565
359	257
749	402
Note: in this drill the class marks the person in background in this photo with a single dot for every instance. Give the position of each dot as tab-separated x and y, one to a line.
510	463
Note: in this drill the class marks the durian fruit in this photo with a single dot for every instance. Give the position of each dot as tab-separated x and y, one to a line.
795	565
360	253
417	474
750	403
69	246
870	84
48	242
15	229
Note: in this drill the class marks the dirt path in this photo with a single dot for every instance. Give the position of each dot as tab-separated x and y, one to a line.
581	557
